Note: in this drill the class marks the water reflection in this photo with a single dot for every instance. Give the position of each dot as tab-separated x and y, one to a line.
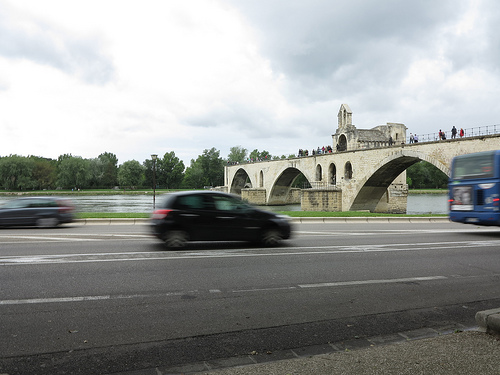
417	204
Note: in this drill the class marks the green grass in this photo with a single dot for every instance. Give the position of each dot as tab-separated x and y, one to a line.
132	215
111	215
349	214
428	191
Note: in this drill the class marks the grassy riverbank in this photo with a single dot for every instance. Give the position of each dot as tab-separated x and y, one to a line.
118	215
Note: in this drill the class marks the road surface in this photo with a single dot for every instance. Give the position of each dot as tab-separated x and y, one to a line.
105	299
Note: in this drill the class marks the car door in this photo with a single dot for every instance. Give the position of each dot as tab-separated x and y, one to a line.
193	214
15	212
233	220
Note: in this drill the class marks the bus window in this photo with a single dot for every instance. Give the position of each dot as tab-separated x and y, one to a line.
473	166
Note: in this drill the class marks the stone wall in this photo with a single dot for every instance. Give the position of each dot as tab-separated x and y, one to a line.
394	201
321	200
254	196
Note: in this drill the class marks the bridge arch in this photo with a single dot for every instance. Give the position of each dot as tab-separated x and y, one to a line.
280	191
241	180
375	183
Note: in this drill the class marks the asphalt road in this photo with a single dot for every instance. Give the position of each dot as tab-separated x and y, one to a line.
104	299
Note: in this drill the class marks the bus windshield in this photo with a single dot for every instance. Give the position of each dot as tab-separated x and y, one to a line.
479	165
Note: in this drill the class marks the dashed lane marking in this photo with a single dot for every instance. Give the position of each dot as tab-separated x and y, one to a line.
214	291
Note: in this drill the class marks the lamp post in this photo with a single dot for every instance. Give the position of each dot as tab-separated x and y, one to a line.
154	156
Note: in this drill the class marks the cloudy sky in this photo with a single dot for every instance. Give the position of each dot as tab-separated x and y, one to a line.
153	76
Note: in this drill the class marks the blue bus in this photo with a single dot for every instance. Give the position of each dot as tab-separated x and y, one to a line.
474	188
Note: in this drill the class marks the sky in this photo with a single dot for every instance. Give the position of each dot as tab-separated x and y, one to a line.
136	78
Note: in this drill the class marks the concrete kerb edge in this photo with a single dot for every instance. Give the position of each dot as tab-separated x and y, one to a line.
361	219
489	320
109	221
299	220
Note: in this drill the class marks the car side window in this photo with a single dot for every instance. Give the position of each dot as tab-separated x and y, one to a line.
21	203
227	203
193	202
37	203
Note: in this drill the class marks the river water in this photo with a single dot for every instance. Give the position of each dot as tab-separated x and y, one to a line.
417	203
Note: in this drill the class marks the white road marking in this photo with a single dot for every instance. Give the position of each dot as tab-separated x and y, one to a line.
82	298
248	252
212	291
365	282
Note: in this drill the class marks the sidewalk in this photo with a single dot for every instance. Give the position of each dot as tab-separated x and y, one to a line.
452	354
441	353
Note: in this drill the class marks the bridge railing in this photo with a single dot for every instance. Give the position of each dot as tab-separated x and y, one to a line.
430	137
323	185
468	132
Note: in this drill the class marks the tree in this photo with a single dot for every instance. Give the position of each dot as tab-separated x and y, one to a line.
16	173
170	172
237	154
44	173
424	175
193	177
206	170
109	169
257	155
213	167
73	172
131	173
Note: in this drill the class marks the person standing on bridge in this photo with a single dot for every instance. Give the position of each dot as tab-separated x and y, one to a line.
453	132
415	138
462	133
412	138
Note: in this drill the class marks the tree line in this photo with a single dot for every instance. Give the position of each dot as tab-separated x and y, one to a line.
103	172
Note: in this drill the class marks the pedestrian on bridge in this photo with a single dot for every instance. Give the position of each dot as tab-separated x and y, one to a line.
453	132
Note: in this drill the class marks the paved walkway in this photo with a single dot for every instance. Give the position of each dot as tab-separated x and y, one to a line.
449	351
457	353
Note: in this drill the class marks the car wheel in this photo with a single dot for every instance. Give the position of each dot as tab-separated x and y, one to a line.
176	239
47	222
271	237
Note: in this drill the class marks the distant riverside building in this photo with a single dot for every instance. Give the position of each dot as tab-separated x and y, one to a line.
348	138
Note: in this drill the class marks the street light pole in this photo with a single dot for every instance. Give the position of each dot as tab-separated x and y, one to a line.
154	156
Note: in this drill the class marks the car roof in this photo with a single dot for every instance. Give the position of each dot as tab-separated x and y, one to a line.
190	192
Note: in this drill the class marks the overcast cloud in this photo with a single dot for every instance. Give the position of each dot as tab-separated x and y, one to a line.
141	77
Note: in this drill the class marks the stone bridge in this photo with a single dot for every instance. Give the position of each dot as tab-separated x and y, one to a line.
371	179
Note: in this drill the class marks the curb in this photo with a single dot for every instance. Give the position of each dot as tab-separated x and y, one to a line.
297	220
385	220
489	321
123	221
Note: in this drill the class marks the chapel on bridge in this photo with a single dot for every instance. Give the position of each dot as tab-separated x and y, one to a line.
347	137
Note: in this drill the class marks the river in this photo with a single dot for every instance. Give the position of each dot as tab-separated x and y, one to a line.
417	203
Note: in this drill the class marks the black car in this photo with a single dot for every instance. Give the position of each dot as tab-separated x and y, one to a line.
215	216
37	211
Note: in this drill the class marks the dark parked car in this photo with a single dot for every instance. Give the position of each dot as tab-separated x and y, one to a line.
214	216
39	211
